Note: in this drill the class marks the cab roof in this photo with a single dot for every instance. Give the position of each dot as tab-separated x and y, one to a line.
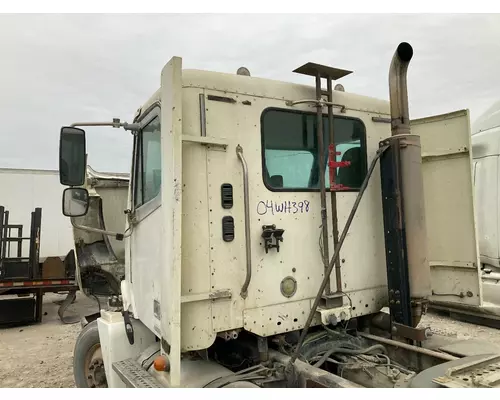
268	88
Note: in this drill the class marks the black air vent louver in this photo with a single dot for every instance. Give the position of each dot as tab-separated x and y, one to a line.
226	190
228	229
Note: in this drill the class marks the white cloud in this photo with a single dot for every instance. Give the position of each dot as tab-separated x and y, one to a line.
57	69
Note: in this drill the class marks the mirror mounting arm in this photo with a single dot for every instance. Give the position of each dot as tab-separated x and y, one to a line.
131	127
116	123
116	235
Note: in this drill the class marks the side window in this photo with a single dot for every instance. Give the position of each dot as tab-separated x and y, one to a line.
148	163
291	156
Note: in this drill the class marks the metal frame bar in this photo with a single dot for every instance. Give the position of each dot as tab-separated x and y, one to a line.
333	193
31	264
3	244
2	211
7	232
322	186
35	236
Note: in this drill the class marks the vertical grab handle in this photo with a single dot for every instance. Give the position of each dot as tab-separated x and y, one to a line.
244	288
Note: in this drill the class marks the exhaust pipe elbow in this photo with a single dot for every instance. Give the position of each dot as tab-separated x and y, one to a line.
398	90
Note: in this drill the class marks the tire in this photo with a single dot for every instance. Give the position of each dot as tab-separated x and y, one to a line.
88	367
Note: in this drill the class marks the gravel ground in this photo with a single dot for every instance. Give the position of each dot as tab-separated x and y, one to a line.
444	326
41	356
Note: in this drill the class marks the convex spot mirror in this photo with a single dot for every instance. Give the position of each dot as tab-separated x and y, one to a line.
75	202
72	157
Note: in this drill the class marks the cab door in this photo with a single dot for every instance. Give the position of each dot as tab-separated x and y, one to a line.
145	238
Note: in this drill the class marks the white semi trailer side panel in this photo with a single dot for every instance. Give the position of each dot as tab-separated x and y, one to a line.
486	153
21	191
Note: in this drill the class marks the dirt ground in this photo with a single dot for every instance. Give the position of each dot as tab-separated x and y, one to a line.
445	326
41	356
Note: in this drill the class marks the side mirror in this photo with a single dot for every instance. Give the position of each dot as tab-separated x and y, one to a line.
72	157
75	202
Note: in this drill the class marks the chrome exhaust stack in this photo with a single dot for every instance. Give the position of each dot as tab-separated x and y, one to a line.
398	89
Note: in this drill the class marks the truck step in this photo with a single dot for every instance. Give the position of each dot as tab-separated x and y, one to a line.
133	375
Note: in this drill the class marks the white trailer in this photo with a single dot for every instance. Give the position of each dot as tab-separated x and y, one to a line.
486	170
35	239
23	190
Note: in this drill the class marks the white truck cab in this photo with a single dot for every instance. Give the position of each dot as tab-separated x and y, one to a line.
244	195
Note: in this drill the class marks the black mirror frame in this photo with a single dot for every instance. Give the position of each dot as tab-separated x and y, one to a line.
84	151
88	202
